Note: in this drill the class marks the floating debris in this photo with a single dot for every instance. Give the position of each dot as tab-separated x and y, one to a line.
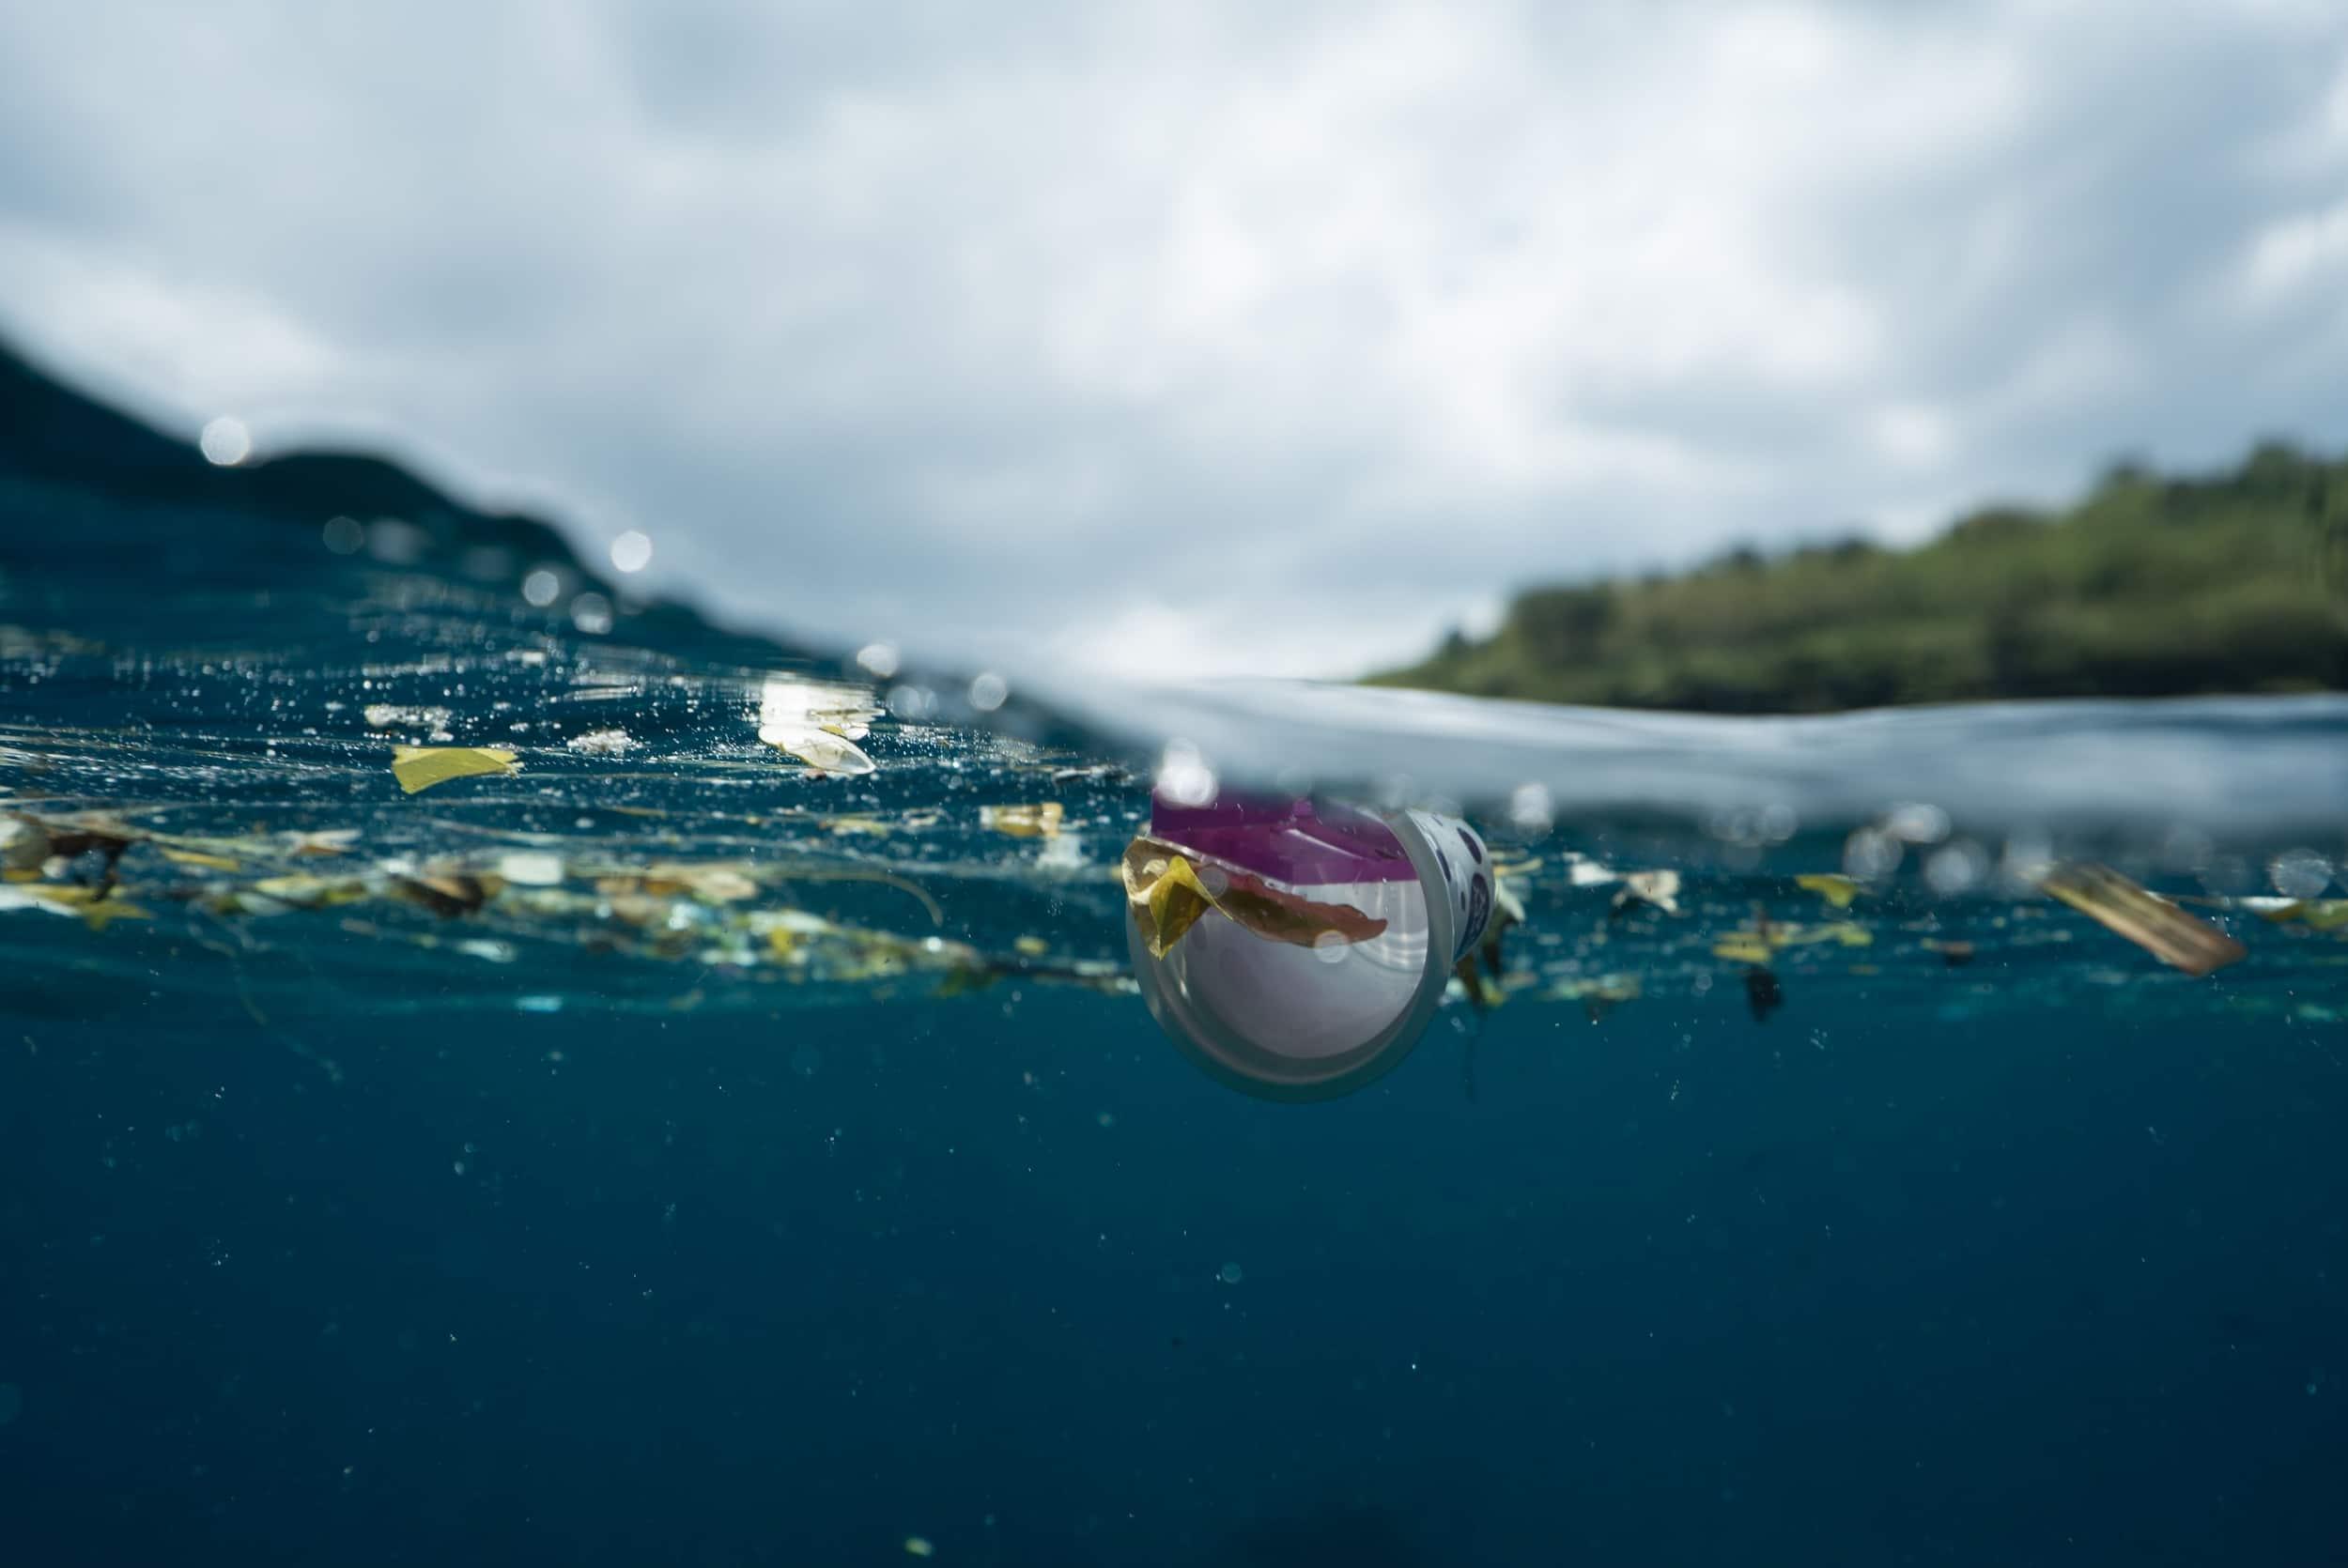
1599	996
2178	939
1658	890
420	767
1022	822
1764	995
1757	943
201	859
1482	994
1957	955
1168	892
92	904
434	722
1095	773
1582	872
819	723
531	868
603	743
446	894
2323	914
823	751
716	884
1835	888
23	844
333	840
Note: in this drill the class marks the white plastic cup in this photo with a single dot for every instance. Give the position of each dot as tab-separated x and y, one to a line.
1283	1022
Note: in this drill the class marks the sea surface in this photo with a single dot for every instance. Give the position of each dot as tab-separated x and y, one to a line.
722	1127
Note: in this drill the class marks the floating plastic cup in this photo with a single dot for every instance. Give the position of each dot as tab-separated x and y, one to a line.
1296	950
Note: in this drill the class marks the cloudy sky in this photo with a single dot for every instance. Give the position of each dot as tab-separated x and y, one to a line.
1192	338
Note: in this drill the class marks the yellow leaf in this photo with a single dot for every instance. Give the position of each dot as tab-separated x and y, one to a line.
1836	890
1022	822
1743	948
1166	897
1033	946
420	767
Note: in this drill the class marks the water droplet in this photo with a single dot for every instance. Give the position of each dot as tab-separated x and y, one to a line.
225	441
542	588
2299	873
592	614
1230	1273
631	551
1530	809
1183	776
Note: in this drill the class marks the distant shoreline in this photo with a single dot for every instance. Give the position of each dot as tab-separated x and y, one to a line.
2233	583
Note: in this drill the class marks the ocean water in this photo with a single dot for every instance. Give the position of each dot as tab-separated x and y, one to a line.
662	1149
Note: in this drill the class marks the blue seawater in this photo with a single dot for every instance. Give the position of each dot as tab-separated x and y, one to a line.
670	1152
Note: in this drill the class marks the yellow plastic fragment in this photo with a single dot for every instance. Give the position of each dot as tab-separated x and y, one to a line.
420	767
1022	822
2177	939
1168	894
1835	889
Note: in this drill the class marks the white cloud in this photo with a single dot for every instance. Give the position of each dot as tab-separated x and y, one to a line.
1912	435
1306	327
2297	252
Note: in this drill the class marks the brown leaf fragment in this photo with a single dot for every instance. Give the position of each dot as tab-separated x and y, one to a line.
446	894
1170	891
2180	940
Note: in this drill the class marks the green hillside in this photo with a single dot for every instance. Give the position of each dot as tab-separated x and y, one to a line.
2237	583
